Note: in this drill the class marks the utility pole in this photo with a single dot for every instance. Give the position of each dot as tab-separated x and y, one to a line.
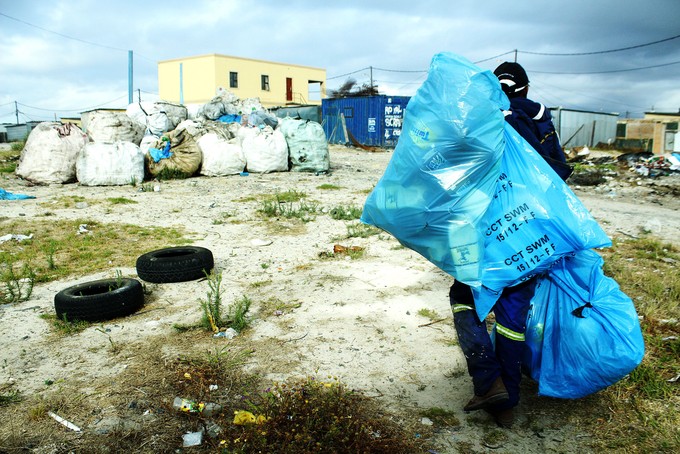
130	91
139	95
515	55
16	111
371	68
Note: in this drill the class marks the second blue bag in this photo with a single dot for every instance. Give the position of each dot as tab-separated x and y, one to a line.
583	333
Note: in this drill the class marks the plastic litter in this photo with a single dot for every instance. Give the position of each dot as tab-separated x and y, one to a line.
64	422
15	236
229	333
4	195
191	406
192	439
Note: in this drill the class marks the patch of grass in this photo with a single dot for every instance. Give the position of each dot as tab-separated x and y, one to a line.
288	196
10	397
303	211
57	250
428	313
64	326
275	306
311	415
16	281
353	252
67	201
643	409
8	167
345	213
171	173
120	200
18	147
329	187
441	417
260	284
360	230
647	271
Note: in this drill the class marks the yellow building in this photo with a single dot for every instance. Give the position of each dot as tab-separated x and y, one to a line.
195	80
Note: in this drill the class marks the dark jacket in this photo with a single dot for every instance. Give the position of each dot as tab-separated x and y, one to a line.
533	122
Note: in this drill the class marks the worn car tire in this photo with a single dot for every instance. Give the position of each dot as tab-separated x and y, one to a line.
100	300
175	264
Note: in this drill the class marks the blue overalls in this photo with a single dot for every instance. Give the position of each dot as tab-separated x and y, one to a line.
487	361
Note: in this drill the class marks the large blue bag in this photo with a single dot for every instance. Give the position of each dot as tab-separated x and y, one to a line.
583	333
533	220
444	168
464	190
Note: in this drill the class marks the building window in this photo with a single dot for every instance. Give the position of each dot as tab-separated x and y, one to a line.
233	80
265	82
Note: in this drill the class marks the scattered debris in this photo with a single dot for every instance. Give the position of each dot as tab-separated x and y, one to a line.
15	236
64	422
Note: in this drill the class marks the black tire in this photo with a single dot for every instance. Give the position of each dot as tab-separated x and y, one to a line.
100	300
175	264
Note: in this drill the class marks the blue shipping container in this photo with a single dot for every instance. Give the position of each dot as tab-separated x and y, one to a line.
372	120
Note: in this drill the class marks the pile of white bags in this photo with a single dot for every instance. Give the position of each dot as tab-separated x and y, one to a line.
110	164
50	153
225	136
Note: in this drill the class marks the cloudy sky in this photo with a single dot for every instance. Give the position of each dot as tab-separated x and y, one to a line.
60	57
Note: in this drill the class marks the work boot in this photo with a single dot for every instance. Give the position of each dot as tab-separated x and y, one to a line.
495	395
504	418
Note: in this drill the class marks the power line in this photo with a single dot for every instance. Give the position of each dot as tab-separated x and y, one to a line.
72	110
571	54
605	72
62	35
71	37
494	57
348	74
399	71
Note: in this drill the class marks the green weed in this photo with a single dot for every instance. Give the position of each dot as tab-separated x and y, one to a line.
16	281
121	200
342	213
212	306
360	230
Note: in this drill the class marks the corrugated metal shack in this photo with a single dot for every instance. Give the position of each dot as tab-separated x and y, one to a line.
19	132
370	121
579	128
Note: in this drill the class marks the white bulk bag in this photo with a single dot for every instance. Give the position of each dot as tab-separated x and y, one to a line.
109	127
153	120
147	142
307	145
265	149
157	117
220	156
50	153
110	164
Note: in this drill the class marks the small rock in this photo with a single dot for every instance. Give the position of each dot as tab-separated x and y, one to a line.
260	242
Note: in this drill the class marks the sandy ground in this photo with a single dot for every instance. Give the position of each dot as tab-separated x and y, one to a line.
354	319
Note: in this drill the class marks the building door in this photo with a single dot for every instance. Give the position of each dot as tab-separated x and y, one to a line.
289	89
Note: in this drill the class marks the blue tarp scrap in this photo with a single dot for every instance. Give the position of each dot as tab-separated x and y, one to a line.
4	195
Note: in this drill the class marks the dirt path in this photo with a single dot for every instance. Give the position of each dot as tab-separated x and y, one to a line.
354	319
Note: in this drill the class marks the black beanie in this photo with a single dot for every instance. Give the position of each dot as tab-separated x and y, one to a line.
512	77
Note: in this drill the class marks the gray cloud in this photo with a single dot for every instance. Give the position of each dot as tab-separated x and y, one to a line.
74	55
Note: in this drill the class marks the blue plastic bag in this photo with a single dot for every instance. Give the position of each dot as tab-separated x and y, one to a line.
583	333
533	220
468	193
438	183
4	195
